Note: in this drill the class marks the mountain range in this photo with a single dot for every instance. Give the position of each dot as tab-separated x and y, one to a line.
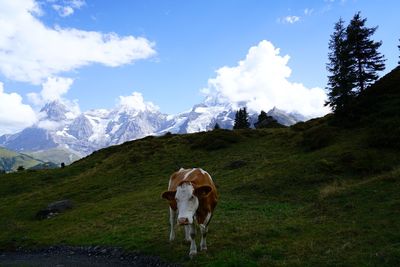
63	135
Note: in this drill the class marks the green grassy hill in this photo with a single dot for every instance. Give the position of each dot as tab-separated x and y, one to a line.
10	160
316	194
56	155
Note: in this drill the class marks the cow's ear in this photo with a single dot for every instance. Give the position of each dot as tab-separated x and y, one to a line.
169	195
202	191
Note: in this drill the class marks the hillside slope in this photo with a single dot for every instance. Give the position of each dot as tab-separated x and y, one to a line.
10	160
315	194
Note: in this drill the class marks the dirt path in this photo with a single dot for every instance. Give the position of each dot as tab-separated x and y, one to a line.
78	257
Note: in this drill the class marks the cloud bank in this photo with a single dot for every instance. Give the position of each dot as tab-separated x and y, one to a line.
14	115
31	51
260	82
52	89
135	102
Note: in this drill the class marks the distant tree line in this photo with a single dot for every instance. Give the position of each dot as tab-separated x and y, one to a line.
242	121
354	61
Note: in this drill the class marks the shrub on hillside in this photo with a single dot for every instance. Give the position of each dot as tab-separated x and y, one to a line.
318	137
370	162
363	161
214	140
327	166
385	134
20	168
305	125
300	126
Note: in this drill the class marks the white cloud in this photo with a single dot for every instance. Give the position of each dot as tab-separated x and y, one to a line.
66	8
77	3
52	89
291	19
55	87
14	115
31	51
49	125
260	82
135	102
308	11
63	11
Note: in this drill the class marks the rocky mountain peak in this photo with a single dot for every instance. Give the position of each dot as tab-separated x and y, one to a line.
54	111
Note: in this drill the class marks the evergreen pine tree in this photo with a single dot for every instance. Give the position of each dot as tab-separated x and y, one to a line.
265	121
262	117
20	168
245	119
216	126
364	51
236	123
341	78
399	50
241	119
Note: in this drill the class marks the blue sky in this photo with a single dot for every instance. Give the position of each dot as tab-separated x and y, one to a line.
183	45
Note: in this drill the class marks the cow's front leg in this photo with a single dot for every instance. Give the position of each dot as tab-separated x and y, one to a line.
172	221
193	247
203	242
187	233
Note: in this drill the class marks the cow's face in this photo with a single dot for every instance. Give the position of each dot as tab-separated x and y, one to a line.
187	200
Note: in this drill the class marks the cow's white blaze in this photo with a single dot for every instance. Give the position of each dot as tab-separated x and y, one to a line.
186	201
188	173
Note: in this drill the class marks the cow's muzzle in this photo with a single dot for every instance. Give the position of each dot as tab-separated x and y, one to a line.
183	221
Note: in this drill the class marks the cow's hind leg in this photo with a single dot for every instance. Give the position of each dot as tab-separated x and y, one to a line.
203	243
204	230
172	220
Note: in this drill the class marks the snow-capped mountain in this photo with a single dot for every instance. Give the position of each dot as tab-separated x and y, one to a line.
80	134
203	117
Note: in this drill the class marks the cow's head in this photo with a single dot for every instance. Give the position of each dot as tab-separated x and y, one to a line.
187	198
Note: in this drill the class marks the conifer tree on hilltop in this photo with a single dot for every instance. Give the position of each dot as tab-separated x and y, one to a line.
265	121
262	117
341	80
399	50
241	119
354	61
364	51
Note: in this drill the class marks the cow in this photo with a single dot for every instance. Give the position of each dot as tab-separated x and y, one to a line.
192	197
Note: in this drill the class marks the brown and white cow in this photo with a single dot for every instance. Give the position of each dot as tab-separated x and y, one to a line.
192	196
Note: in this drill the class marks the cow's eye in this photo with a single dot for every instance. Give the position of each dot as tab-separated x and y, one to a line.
191	198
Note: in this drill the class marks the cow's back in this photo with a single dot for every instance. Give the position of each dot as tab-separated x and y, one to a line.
196	176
